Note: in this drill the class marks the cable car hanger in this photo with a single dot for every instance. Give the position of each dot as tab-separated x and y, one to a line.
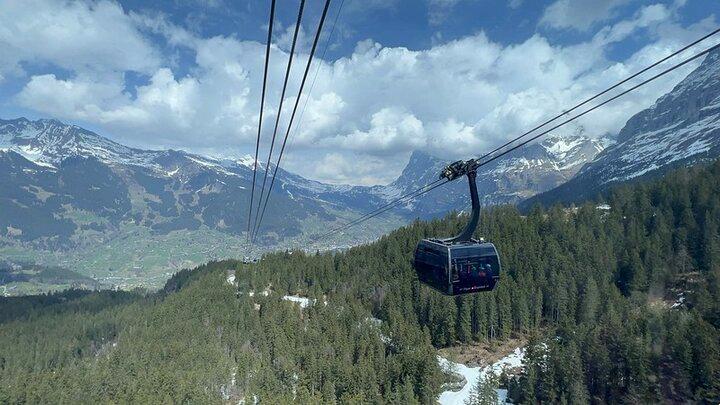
453	171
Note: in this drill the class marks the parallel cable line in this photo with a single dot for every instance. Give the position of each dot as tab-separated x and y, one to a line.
279	112
480	164
317	71
407	197
262	105
390	204
613	98
294	111
613	87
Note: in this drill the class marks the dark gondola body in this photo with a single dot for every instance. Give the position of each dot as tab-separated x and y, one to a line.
457	268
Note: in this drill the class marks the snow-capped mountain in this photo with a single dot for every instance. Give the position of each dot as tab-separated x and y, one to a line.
78	170
48	142
679	129
167	189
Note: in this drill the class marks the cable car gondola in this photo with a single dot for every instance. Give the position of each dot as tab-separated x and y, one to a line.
459	265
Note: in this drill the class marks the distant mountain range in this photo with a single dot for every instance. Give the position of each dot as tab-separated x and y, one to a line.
73	198
54	171
67	189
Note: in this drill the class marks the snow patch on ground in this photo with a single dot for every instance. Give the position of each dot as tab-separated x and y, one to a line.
32	154
471	374
247	161
255	400
264	292
303	301
391	192
210	165
653	149
292	197
679	302
376	323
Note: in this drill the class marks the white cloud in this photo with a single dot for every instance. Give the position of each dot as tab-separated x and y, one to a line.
63	97
368	110
283	39
78	36
321	116
356	168
391	129
579	14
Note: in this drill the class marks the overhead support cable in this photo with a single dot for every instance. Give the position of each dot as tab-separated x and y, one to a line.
262	105
294	111
406	197
423	190
279	112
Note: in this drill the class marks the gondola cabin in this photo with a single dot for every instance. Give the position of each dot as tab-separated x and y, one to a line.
457	268
459	265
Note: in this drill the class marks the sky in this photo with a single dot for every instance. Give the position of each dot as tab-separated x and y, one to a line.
452	78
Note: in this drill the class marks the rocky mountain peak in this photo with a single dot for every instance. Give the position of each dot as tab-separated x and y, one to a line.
50	141
571	152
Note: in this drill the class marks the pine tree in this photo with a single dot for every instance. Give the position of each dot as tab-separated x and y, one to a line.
407	394
492	316
504	309
590	301
464	319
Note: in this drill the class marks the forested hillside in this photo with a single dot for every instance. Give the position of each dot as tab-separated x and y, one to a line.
620	298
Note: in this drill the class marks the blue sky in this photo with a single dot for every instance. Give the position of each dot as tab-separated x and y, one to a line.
451	77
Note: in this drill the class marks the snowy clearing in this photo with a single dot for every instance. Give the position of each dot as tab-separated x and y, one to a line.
471	374
264	293
303	301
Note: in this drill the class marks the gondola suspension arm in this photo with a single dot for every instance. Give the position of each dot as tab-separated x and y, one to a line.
453	171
